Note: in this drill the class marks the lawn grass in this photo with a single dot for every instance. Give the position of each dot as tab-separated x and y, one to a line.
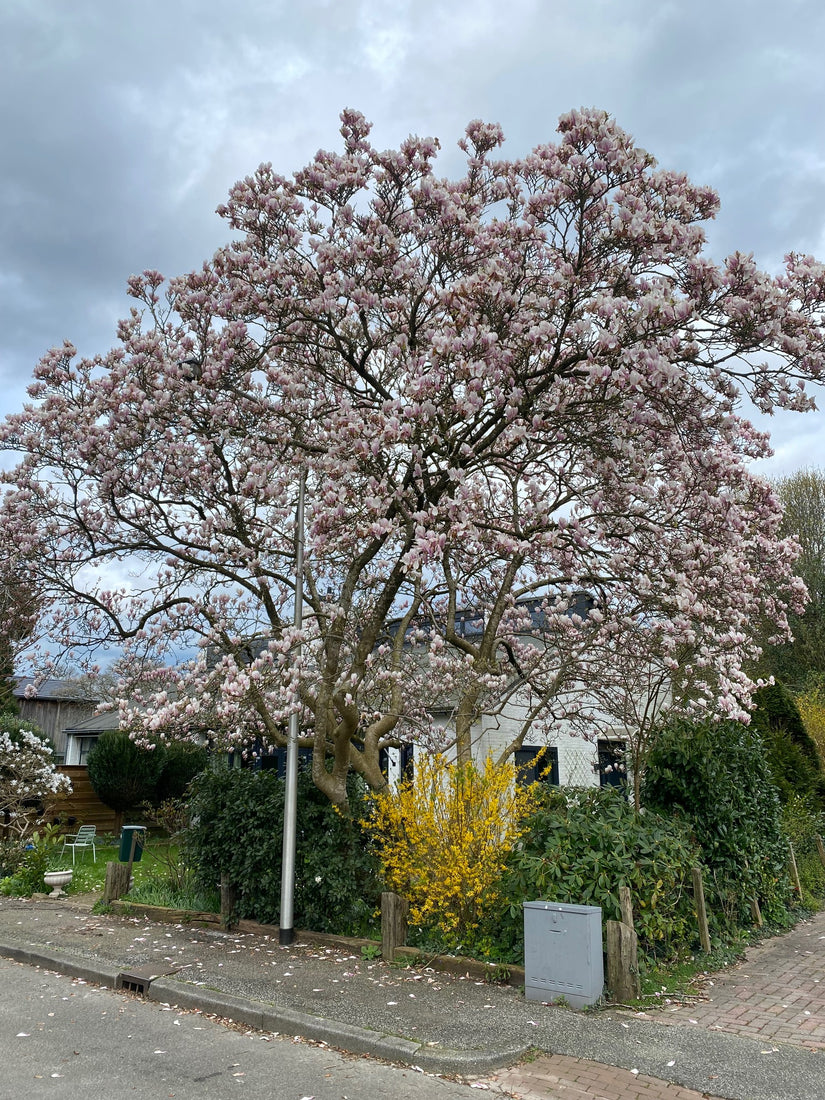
90	877
152	884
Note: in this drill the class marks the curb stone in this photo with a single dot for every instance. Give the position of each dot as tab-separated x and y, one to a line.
357	1040
52	960
263	1017
448	964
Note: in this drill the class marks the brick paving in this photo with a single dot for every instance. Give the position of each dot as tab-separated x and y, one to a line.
775	995
557	1077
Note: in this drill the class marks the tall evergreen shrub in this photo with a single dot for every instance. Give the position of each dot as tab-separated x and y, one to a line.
715	777
792	754
122	773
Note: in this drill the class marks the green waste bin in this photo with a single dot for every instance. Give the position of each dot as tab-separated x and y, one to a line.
126	835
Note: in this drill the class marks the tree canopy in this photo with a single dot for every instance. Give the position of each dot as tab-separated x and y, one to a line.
802	495
516	385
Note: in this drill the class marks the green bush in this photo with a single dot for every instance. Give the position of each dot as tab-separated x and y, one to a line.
182	761
803	822
12	725
39	855
122	773
578	848
715	777
11	856
792	754
237	830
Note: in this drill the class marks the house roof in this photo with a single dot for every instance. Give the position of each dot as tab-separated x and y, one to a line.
51	690
99	723
469	622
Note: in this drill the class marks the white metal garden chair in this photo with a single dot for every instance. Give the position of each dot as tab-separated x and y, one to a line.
84	838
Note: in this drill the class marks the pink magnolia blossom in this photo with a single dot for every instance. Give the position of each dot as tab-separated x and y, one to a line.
518	385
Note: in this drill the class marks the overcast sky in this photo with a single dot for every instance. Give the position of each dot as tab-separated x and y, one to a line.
126	123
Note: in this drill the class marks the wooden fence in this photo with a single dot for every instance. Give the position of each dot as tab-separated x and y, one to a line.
82	804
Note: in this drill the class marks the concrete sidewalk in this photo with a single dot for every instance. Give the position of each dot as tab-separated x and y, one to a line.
444	1023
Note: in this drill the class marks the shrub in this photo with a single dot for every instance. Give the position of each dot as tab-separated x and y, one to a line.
811	704
182	761
716	778
14	726
11	856
173	817
802	822
40	854
443	838
28	777
792	753
237	830
578	847
122	773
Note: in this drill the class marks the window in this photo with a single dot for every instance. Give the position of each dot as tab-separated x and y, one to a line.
611	764
406	759
537	764
84	747
277	759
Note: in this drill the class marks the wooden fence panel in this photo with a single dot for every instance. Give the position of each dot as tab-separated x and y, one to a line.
83	804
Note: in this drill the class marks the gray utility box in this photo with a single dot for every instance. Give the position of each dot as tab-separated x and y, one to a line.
563	953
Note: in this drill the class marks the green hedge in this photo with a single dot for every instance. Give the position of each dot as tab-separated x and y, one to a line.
715	778
792	754
237	830
579	847
803	822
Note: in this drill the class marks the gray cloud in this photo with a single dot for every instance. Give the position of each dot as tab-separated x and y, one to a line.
126	124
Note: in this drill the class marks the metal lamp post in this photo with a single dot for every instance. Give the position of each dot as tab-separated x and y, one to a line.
286	930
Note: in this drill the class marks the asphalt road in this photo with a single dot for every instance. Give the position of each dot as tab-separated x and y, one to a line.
60	1037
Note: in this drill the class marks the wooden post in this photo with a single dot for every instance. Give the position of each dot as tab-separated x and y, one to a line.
626	906
701	911
119	875
794	871
394	913
117	881
622	962
228	896
756	913
820	847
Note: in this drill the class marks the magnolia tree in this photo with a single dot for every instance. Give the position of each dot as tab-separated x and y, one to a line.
513	386
28	777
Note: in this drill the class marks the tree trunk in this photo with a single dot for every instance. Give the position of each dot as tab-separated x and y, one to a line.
464	719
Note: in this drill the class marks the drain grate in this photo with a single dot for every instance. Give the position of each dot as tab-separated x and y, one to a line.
138	978
133	985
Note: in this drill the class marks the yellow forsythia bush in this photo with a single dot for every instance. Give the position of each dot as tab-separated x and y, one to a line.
443	837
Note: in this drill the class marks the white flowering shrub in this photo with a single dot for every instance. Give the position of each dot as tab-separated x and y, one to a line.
28	777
